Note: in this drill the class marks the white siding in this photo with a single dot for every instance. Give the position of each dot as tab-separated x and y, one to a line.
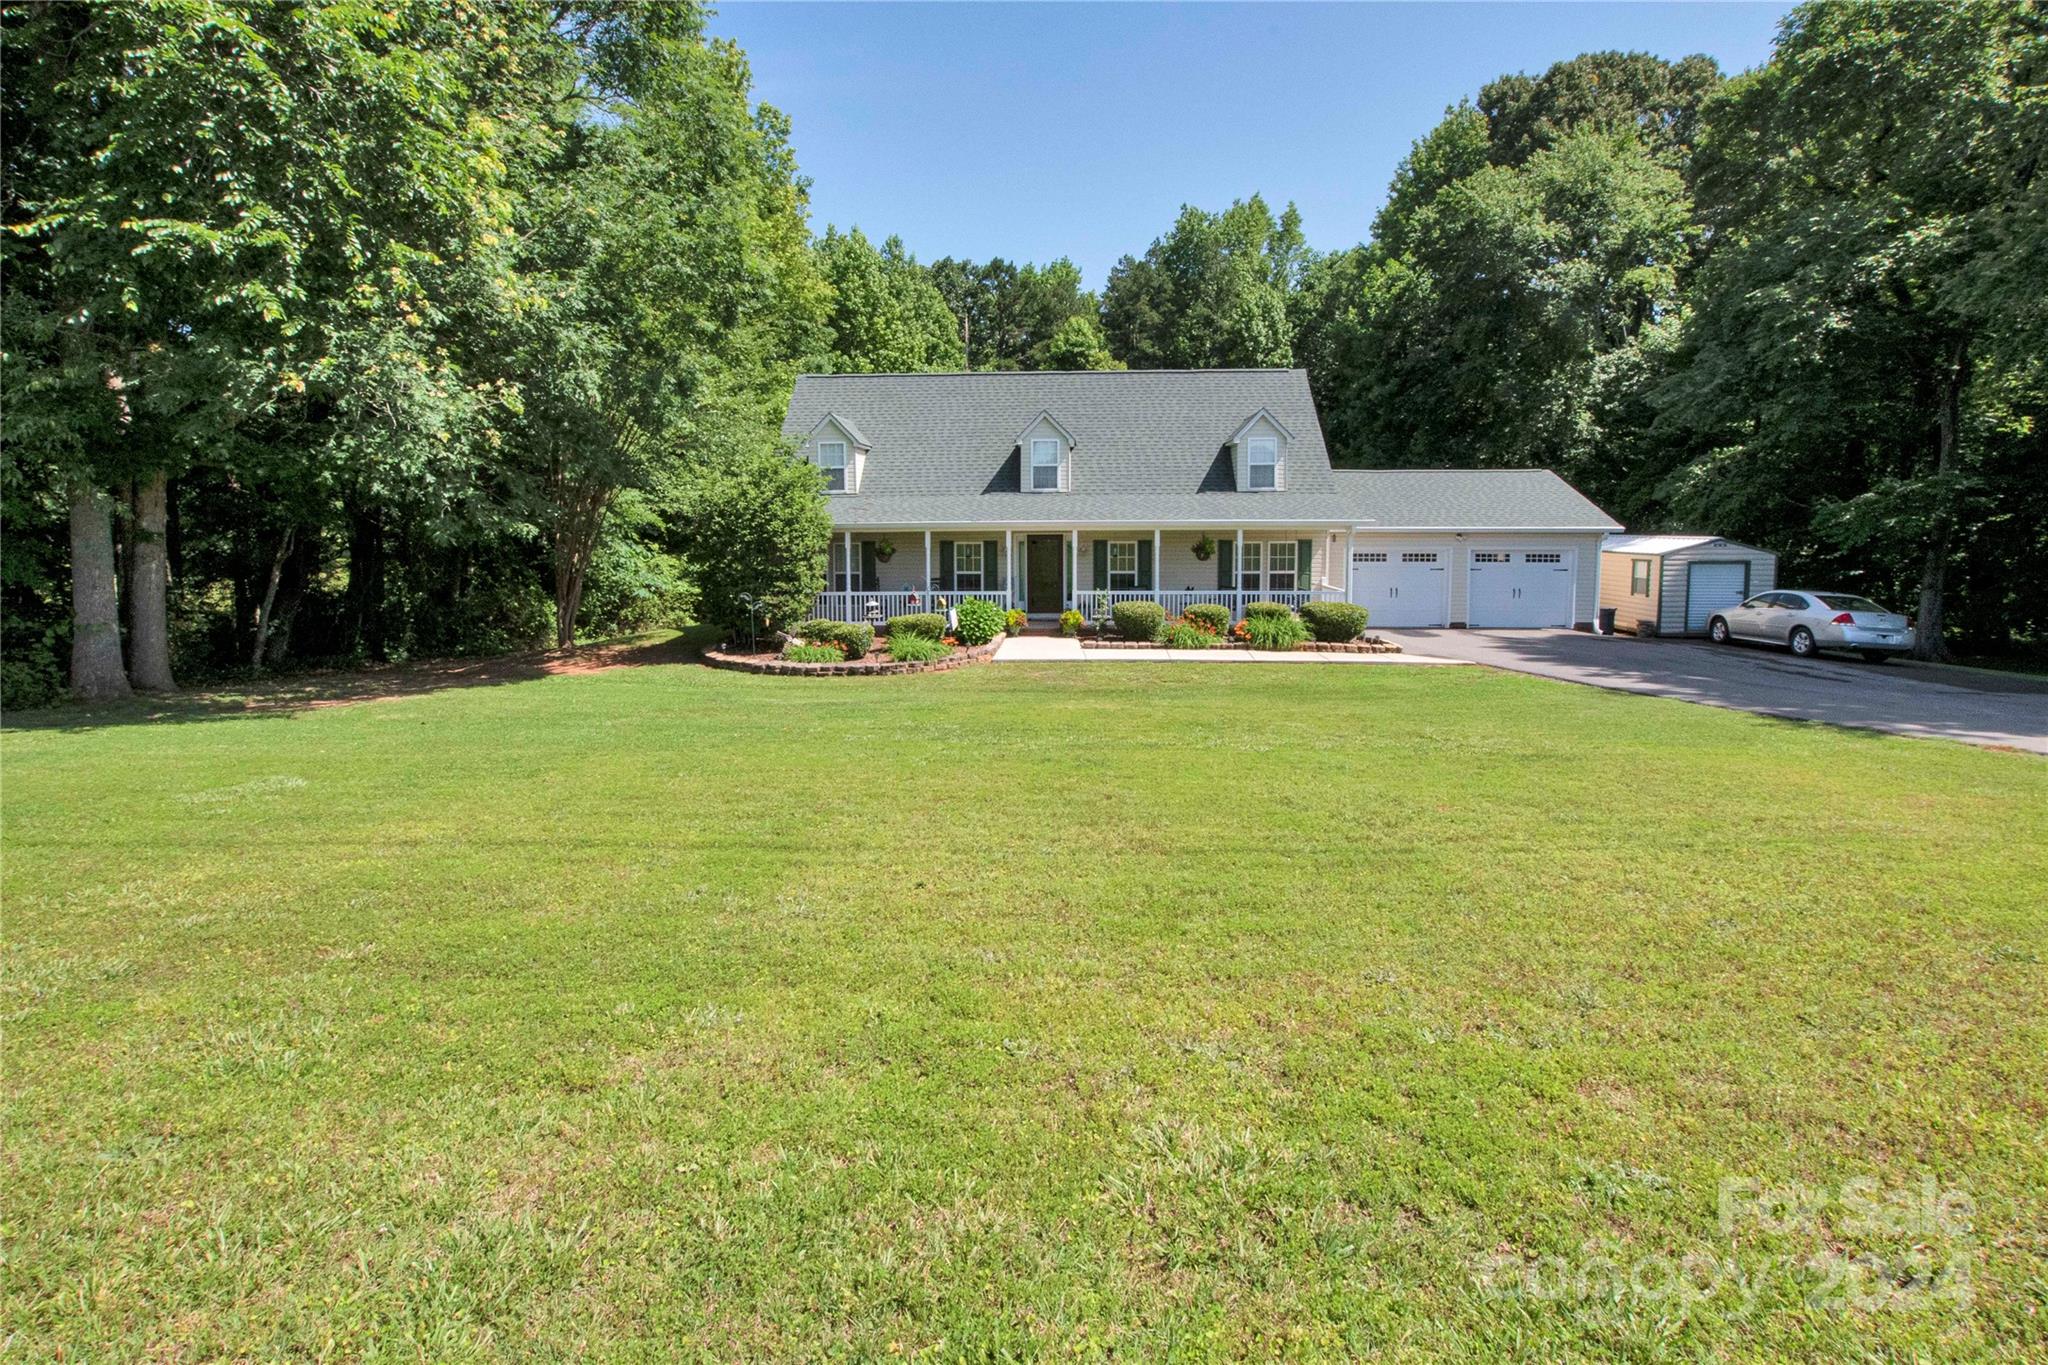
1585	588
1240	457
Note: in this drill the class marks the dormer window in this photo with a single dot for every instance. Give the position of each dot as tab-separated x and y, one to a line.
832	459
1045	464
1262	463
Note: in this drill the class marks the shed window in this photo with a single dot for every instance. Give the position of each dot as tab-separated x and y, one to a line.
1639	578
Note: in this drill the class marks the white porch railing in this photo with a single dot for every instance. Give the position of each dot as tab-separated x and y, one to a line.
853	606
1096	604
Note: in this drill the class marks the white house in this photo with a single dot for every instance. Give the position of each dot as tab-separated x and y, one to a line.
1051	490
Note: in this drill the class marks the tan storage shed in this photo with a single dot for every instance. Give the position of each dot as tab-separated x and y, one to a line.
1670	585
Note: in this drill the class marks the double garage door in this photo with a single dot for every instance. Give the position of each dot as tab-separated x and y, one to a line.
1410	585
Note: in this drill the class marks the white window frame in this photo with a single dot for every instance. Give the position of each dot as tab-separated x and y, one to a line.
1252	463
844	568
842	470
1248	571
1639	571
1115	573
976	573
1032	464
1273	569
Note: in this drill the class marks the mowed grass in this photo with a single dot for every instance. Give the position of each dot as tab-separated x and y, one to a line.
1118	1010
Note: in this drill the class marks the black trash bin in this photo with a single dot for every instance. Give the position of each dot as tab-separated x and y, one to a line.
1607	620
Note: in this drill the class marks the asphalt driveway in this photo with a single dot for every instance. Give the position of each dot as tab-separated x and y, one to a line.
1901	697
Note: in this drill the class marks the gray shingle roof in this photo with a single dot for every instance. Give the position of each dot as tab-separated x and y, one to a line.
1149	446
1467	500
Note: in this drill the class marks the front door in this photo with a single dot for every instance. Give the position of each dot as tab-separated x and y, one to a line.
1045	556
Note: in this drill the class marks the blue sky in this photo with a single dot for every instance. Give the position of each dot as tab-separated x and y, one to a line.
1032	131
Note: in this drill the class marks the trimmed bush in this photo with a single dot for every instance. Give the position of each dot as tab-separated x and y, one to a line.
1274	632
1138	620
1070	622
1334	622
978	621
1216	618
1186	634
1015	621
929	624
854	638
1267	609
797	653
912	648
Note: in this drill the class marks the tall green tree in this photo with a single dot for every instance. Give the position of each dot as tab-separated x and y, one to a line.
1009	313
1211	293
1862	376
885	313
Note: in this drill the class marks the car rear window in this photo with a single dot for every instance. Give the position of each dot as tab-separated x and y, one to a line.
1837	601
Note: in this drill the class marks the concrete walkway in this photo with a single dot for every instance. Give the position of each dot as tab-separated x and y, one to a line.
1038	649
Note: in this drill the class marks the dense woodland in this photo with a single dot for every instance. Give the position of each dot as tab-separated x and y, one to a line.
364	333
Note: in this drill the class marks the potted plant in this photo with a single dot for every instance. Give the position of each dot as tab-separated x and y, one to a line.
1205	548
885	550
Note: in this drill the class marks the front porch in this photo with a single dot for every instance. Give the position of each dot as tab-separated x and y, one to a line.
877	573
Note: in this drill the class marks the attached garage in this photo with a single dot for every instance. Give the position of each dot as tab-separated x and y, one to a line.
1672	585
1402	584
1522	587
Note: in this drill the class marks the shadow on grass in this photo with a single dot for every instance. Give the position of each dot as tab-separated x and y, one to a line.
320	689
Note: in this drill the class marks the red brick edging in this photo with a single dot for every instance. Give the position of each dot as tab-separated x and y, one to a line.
768	663
1372	644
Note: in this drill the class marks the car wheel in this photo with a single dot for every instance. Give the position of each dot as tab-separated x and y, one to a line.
1875	656
1717	631
1802	642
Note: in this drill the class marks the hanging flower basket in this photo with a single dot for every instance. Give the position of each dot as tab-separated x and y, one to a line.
885	550
1205	548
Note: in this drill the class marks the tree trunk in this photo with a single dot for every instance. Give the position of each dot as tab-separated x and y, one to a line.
263	612
1927	638
291	594
579	518
95	630
149	584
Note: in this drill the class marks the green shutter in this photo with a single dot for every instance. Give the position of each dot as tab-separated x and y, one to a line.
1226	576
1304	556
1145	565
1101	565
946	565
989	581
870	569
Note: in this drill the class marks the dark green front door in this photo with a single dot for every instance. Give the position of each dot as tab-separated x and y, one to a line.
1042	593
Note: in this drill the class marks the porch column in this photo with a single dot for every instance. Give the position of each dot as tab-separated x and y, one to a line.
1350	558
1074	588
1155	565
926	586
1009	568
846	538
1237	572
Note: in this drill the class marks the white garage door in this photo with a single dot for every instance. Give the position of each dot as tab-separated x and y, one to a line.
1403	587
1710	588
1521	588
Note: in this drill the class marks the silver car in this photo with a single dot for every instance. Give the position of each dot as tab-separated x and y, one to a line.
1805	622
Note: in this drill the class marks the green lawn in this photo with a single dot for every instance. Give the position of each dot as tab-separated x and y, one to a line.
1112	1010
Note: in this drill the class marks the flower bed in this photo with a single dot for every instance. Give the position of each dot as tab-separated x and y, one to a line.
770	662
1371	644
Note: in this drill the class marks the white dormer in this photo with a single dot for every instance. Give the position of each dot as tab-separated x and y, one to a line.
1259	453
1046	456
836	446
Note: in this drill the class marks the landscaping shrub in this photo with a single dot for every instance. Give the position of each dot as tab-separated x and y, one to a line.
1334	621
852	637
1189	634
758	525
929	624
1216	618
978	621
1267	609
910	648
798	653
1070	622
1274	632
1138	620
1015	621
